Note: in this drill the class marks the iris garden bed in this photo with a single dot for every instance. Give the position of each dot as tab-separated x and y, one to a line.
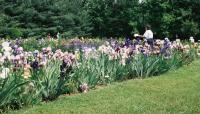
35	71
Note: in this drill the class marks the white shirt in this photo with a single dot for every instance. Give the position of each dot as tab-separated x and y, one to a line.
148	34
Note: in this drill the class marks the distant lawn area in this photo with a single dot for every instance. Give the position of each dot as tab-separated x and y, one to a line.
176	92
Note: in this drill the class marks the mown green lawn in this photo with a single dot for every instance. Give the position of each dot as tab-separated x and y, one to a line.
176	92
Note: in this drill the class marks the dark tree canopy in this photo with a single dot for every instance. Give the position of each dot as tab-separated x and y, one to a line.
105	18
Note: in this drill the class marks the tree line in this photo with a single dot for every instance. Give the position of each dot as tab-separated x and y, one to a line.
99	18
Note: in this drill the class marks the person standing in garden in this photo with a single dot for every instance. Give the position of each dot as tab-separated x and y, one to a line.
148	35
58	35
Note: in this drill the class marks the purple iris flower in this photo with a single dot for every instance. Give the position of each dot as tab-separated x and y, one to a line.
142	50
17	42
165	47
128	42
35	65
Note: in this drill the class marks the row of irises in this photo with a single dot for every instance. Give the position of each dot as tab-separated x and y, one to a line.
28	78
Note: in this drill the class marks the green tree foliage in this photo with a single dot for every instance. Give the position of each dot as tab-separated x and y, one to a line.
168	18
40	17
110	17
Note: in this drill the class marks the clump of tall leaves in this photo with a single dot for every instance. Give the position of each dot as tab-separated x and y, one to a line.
49	81
145	66
8	88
